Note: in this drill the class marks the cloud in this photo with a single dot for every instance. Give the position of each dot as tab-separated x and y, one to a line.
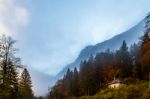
22	16
13	16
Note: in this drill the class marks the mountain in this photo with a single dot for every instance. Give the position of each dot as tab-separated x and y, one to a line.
130	36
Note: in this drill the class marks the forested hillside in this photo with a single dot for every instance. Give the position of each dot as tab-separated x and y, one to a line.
130	36
131	64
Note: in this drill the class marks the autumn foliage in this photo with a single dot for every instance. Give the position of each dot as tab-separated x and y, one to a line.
93	75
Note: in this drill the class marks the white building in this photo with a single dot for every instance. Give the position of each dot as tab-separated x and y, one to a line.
116	83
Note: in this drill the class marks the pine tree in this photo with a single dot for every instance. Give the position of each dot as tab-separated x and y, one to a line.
124	60
13	80
83	78
69	79
135	56
75	82
25	85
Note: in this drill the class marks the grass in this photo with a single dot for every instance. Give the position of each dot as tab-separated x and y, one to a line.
138	90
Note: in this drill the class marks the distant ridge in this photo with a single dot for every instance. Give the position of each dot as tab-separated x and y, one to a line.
130	36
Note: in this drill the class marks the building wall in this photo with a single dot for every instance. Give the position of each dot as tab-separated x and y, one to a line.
116	85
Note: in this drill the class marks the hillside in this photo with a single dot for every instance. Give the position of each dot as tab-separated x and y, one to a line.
138	90
130	36
111	74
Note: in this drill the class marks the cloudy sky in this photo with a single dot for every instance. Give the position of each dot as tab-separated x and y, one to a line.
51	33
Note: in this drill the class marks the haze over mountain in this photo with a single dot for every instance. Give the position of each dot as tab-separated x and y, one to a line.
130	36
108	70
45	81
41	82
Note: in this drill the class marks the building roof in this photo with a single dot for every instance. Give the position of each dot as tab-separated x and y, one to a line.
116	81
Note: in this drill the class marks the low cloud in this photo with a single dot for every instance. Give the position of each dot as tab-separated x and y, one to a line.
13	16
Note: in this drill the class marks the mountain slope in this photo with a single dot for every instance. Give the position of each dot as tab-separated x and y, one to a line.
130	36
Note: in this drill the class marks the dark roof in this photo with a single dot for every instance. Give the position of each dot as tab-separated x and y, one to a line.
116	81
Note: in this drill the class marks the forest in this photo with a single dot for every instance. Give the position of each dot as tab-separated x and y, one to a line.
131	64
15	80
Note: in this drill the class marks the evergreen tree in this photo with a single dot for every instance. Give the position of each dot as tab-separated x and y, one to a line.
69	79
124	60
75	82
83	77
25	85
145	49
13	80
135	56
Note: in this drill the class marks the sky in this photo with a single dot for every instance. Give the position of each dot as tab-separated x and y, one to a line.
51	33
